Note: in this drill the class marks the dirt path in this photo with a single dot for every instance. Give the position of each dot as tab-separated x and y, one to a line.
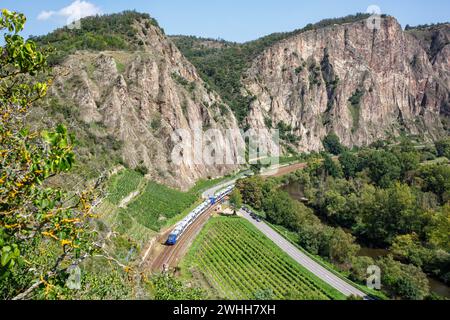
124	203
281	171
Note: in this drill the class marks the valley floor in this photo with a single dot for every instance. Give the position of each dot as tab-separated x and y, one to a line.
234	260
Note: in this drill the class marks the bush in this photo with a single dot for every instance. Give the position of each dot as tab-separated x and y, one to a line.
443	148
383	167
349	163
403	281
142	169
332	144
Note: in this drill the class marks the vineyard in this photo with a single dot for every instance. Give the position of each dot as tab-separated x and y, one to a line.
238	262
159	203
155	207
122	184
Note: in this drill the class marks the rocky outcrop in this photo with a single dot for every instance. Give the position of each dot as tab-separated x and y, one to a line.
435	40
362	84
140	98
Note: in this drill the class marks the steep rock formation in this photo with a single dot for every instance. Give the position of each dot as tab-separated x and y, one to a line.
362	84
436	42
140	98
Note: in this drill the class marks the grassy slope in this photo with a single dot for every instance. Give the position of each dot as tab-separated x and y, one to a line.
154	208
267	267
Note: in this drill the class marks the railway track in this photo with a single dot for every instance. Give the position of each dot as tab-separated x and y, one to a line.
169	257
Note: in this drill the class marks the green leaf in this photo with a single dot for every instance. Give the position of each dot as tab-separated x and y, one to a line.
6	257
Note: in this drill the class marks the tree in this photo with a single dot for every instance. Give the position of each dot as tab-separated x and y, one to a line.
443	148
384	214
409	162
280	209
312	237
339	208
43	231
332	168
251	190
332	144
349	163
359	267
383	167
236	199
439	229
342	246
436	179
408	248
403	281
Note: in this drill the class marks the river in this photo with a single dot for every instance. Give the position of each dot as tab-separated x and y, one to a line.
436	286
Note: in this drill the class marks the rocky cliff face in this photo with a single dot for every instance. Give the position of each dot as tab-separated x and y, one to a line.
140	98
435	40
364	85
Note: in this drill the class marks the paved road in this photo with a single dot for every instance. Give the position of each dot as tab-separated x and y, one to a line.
304	260
212	191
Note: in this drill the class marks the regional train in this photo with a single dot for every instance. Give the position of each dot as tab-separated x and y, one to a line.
183	225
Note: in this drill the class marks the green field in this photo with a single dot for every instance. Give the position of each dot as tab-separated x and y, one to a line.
122	184
155	206
235	261
159	203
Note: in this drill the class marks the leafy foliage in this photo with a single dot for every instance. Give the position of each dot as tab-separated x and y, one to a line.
383	167
443	148
405	281
42	229
236	199
286	133
332	144
169	288
387	200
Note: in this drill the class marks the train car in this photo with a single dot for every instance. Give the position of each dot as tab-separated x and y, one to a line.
221	195
182	226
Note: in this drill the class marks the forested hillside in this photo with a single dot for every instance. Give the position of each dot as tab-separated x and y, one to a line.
108	32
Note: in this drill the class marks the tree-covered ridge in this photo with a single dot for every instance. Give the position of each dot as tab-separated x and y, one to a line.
223	66
426	26
106	32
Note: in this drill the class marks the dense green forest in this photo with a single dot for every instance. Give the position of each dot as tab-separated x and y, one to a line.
389	196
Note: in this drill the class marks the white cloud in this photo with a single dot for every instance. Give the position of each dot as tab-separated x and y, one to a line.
73	12
45	15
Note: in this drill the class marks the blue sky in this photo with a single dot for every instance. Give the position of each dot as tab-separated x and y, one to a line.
234	20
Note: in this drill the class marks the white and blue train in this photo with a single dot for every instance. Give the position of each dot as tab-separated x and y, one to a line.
182	226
